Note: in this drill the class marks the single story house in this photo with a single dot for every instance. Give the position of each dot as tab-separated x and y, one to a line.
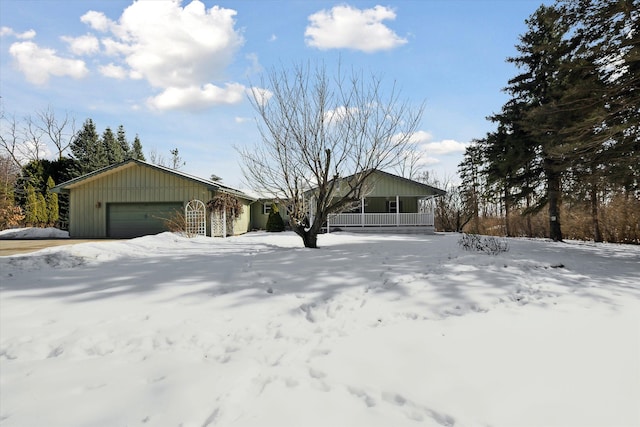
136	198
391	204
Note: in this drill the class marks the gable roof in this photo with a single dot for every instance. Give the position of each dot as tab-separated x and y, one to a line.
427	189
75	182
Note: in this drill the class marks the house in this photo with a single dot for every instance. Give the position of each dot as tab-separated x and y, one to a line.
135	198
392	204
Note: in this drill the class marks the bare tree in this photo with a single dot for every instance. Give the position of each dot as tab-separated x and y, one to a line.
29	138
322	139
61	131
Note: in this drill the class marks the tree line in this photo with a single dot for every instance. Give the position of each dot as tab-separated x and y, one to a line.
27	177
564	158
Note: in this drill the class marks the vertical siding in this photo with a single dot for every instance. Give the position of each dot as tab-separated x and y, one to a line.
135	183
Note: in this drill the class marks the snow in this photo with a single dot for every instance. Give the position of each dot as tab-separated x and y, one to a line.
34	233
369	330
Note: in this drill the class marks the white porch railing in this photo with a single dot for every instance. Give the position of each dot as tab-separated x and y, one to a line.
380	219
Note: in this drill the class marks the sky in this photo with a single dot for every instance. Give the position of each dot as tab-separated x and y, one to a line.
178	73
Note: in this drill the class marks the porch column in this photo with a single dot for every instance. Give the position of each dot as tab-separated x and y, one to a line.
362	212
397	211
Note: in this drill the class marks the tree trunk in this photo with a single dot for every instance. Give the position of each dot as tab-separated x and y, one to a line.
553	191
597	234
309	234
507	228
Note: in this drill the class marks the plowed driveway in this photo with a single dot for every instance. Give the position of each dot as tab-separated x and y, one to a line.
14	246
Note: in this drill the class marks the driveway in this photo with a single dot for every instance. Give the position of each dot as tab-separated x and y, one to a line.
15	247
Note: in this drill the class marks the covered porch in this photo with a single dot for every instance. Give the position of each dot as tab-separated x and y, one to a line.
386	214
392	204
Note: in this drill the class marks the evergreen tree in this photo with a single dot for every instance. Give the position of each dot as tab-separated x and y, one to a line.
88	150
471	188
31	207
112	147
274	222
124	144
136	151
543	51
53	213
41	210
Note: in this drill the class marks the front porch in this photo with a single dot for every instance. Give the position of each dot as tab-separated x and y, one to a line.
396	223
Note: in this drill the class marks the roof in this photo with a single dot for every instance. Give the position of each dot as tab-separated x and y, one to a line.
428	188
68	185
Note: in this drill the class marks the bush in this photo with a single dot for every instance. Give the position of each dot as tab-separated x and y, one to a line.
275	222
486	244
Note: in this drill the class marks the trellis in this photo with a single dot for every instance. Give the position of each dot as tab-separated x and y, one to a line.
195	215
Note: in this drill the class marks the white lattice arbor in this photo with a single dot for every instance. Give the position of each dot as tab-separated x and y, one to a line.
221	226
195	215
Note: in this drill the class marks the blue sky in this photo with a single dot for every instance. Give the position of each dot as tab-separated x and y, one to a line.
176	73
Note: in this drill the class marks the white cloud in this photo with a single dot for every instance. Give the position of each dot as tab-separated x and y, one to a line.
180	50
96	20
259	95
446	146
197	98
83	45
8	31
39	64
172	46
113	71
346	27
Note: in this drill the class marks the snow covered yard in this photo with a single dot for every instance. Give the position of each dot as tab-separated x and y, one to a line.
366	331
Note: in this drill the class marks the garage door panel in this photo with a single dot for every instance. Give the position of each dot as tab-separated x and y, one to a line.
139	219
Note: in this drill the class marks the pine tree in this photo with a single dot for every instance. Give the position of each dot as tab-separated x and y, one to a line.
112	147
471	188
543	51
121	137
136	151
53	213
88	150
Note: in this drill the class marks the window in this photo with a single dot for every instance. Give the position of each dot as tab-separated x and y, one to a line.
266	208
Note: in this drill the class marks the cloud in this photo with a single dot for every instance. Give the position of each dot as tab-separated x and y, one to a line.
183	51
113	71
346	27
83	45
96	20
8	31
173	46
446	146
197	98
39	64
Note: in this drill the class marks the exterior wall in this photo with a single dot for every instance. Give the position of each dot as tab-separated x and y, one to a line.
243	223
379	204
131	184
259	218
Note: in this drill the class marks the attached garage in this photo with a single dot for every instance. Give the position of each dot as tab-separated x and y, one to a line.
133	199
126	220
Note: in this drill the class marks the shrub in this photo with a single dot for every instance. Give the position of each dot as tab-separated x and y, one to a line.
275	222
486	244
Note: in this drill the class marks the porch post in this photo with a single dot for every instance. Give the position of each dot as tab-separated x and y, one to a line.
397	211
362	212
328	225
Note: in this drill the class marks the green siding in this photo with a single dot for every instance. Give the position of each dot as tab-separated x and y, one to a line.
132	183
